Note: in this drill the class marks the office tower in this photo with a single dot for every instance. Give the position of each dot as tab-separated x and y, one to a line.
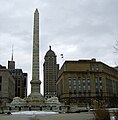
50	69
20	79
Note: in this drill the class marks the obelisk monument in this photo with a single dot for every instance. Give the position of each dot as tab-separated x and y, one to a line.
35	97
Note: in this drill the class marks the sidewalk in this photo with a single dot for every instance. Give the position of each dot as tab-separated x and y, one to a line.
69	116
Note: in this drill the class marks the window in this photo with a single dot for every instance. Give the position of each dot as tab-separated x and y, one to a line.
74	85
18	82
18	92
83	79
84	85
92	67
74	89
97	68
74	82
79	85
88	79
96	84
89	89
0	83
70	82
101	92
0	79
0	87
84	88
70	85
100	80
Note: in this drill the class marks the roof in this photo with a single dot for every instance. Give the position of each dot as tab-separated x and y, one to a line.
50	52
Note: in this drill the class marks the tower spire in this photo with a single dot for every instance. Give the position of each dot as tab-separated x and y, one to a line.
12	54
11	64
50	47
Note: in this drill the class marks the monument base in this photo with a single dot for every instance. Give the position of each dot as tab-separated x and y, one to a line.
35	99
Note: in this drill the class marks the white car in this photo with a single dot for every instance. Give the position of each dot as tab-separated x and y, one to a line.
113	118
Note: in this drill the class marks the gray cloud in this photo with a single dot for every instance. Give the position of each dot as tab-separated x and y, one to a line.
80	29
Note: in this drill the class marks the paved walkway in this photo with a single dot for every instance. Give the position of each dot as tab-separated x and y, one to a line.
69	116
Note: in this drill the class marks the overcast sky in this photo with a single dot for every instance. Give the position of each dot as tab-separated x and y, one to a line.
78	29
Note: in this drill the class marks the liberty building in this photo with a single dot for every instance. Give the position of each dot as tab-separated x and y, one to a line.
83	81
50	70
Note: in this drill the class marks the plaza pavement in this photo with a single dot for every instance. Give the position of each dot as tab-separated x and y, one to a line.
69	116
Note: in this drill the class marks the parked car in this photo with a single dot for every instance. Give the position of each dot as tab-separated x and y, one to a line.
113	118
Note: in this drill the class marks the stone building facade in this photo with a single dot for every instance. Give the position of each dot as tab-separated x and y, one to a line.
50	70
7	86
87	80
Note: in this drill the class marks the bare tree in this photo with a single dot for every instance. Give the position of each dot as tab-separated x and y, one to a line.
116	46
1	106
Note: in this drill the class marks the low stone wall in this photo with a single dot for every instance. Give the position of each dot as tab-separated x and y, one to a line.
36	108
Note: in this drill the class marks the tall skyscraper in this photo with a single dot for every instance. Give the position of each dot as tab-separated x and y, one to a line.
20	79
51	68
35	82
11	64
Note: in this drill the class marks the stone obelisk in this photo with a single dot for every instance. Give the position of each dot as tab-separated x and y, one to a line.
35	97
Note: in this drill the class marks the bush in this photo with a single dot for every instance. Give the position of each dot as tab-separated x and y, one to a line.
102	114
115	113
